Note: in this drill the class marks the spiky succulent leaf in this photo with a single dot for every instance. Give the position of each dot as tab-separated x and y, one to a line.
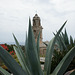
48	58
24	66
4	71
20	54
62	66
26	44
12	65
66	38
74	42
26	54
63	36
38	49
71	40
32	53
61	43
49	52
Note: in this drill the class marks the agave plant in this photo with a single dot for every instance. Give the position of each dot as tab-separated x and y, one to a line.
64	43
30	59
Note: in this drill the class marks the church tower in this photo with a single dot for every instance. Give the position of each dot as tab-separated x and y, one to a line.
37	28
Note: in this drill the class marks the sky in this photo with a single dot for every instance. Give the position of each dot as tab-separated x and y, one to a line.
14	17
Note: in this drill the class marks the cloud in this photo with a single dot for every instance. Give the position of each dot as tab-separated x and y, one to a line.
63	5
14	16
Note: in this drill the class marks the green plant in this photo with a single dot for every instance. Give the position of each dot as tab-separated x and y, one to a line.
57	56
30	59
64	43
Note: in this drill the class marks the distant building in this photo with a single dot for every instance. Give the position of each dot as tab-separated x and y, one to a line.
36	29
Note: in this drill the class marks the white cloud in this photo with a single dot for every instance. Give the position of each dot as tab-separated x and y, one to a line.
63	5
11	4
14	16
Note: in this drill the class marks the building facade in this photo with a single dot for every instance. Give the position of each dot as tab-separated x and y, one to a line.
37	28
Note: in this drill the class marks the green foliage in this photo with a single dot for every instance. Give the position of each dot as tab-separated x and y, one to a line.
63	41
29	58
64	45
49	52
66	40
62	66
57	56
4	71
10	62
71	41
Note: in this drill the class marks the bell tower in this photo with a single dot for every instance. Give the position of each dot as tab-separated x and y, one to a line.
37	28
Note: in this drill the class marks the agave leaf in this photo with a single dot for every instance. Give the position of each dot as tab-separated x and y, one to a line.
21	61
62	66
74	42
49	52
26	44
71	40
4	71
66	38
59	42
19	52
32	53
63	36
73	73
21	56
48	59
62	43
38	49
26	54
12	65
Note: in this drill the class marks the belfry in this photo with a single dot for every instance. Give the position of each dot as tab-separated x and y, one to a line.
37	28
